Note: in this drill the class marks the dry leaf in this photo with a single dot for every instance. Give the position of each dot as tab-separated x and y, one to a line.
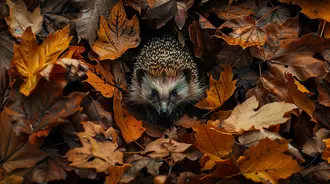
326	152
116	34
224	168
131	129
30	58
20	18
266	162
12	179
233	11
244	117
116	172
244	32
219	91
315	145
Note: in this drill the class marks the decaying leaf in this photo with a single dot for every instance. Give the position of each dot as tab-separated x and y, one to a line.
131	129
244	117
315	145
30	58
266	162
116	34
219	91
116	172
20	18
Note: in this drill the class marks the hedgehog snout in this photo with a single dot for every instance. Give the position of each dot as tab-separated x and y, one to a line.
164	109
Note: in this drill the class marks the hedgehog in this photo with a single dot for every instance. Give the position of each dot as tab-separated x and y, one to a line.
165	79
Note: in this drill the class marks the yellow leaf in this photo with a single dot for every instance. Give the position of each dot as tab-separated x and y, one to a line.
326	152
244	117
130	128
20	18
30	59
219	91
116	34
267	163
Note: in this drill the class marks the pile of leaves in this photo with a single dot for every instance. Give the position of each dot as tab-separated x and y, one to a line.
64	71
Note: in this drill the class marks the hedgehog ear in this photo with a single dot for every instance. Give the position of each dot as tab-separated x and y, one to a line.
140	73
187	74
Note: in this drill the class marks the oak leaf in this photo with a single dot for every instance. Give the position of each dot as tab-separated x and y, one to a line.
220	90
266	162
244	117
20	18
41	111
104	154
207	141
116	34
245	32
130	127
326	152
30	58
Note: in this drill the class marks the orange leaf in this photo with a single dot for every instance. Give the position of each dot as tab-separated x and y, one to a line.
130	128
219	91
245	32
326	152
224	168
116	34
12	179
116	172
267	161
99	84
30	58
207	141
34	136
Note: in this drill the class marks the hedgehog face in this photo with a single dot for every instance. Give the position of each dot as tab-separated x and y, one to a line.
164	93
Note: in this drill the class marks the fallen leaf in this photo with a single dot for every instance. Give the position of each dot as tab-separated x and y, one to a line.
224	168
4	87
326	152
104	154
162	148
244	117
233	11
244	32
181	15
89	17
267	162
219	91
302	100
30	58
20	18
319	172
322	115
6	49
207	141
12	179
15	150
235	56
116	172
315	145
51	109
131	129
116	34
187	122
279	15
96	113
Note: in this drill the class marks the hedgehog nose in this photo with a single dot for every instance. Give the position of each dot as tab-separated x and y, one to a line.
164	112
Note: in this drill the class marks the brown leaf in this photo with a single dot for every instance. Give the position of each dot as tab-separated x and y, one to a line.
207	141
319	172
138	163
267	162
96	113
224	168
181	15
116	172
235	56
41	111
233	11
20	18
6	49
12	179
323	87
15	150
244	117
315	145
322	115
116	34
4	87
244	32
162	148
93	153
219	91
279	15
130	127
187	122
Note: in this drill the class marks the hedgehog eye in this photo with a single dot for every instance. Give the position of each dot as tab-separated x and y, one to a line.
174	92
153	93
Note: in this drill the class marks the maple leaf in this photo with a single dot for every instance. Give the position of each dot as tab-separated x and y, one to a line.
326	152
235	56
116	34
101	79
267	162
233	11
130	128
30	58
41	111
219	91
245	32
207	141
244	117
20	18
103	154
162	148
116	172
315	145
15	150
